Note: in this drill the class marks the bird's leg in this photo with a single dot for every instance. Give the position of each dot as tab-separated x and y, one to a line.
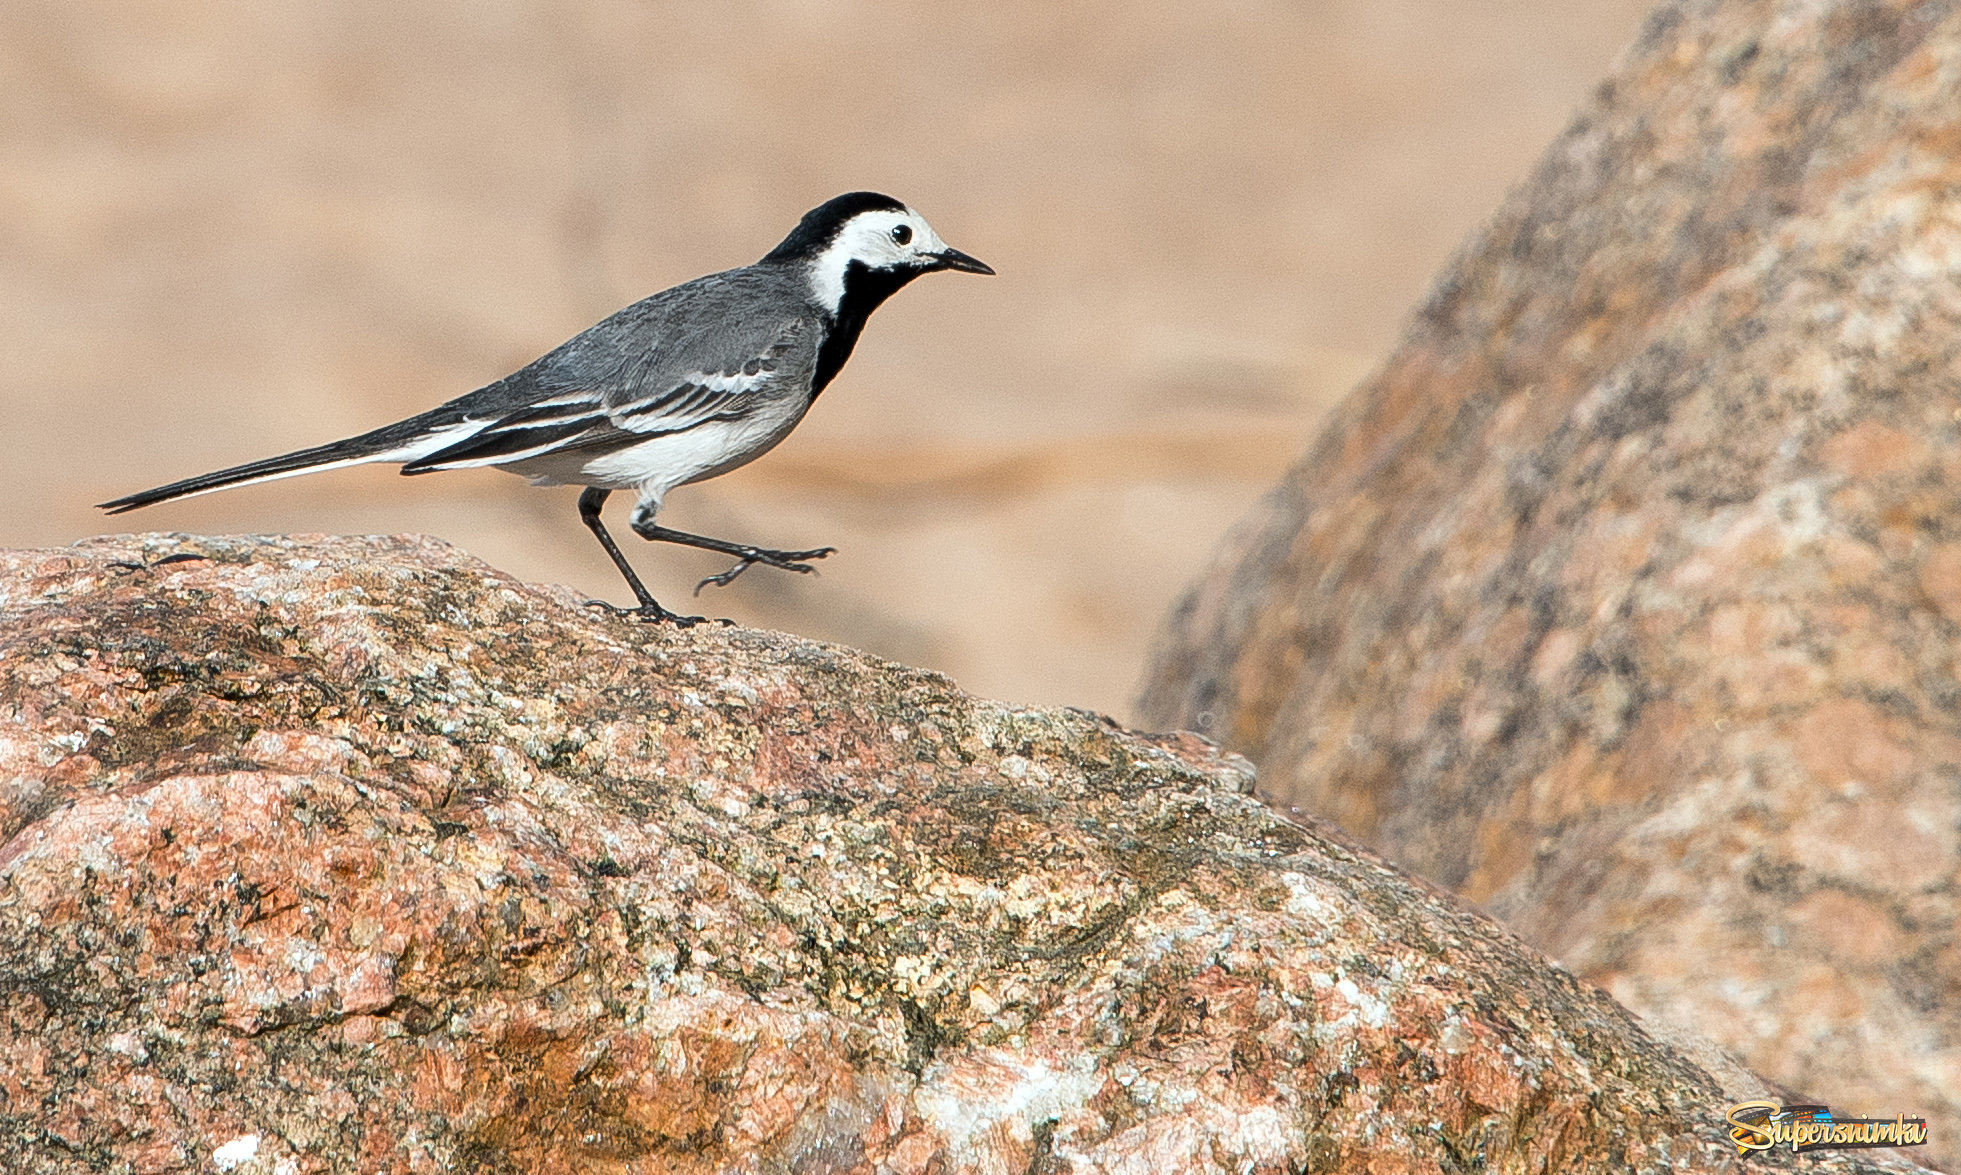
646	528
649	609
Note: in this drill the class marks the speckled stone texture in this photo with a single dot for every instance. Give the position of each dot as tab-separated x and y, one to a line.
353	855
1626	599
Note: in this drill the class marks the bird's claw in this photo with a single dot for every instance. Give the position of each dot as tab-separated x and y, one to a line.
649	612
787	560
725	578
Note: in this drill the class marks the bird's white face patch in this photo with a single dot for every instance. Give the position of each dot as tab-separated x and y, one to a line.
882	239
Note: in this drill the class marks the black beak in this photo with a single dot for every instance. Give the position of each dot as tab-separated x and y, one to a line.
955	259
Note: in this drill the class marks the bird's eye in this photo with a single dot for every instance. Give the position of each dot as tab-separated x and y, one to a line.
902	234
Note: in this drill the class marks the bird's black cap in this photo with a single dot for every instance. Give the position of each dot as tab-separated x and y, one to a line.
821	224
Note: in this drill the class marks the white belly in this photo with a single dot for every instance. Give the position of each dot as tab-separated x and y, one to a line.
659	463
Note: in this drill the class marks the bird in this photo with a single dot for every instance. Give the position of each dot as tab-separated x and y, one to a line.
681	386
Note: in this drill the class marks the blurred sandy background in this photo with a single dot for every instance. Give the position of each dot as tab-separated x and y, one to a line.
228	230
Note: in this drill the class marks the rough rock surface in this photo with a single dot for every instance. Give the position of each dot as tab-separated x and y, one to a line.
353	855
1626	599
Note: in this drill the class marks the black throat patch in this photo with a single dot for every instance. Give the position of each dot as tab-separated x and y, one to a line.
864	289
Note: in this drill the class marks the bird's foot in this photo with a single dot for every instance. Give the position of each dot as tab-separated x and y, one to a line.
787	560
649	612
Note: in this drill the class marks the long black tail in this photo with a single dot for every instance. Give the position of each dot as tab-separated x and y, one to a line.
395	441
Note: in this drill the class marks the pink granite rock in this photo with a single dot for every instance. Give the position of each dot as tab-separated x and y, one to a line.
1624	600
354	856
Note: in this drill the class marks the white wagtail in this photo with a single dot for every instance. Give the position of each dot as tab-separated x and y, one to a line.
676	388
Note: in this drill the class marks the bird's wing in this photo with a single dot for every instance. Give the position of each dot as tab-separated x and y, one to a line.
668	404
602	396
563	419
